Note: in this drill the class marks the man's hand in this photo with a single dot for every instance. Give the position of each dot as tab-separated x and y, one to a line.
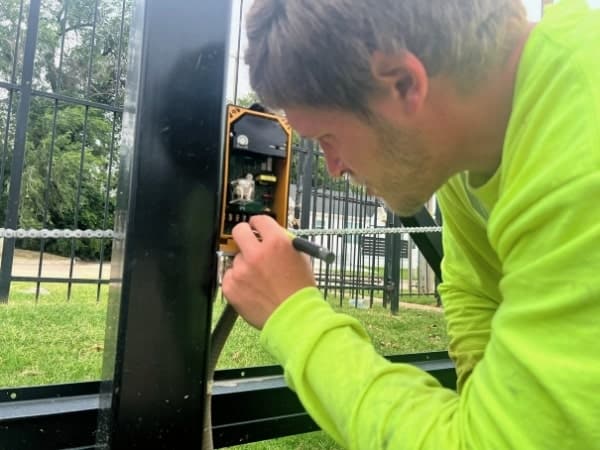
265	272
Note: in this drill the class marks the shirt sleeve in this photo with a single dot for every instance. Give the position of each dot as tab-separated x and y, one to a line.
471	271
354	394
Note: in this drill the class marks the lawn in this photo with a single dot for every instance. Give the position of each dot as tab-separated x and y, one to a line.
58	341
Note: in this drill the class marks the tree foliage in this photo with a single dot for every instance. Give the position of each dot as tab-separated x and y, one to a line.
71	162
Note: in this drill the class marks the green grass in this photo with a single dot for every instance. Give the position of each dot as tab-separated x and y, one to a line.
307	441
53	341
411	331
58	341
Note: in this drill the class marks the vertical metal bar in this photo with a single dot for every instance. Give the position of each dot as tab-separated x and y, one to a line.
299	155
430	244
106	202
354	252
164	270
410	265
403	246
239	46
438	280
4	162
77	199
314	189
13	78
16	173
116	101
328	187
119	55
362	215
374	258
92	48
62	46
11	93
345	240
419	273
394	273
46	200
342	255
83	146
306	185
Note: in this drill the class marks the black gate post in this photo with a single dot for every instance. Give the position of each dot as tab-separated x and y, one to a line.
18	160
430	244
164	264
393	253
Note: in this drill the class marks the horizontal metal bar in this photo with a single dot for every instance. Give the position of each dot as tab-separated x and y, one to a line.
262	429
37	408
247	372
50	432
49	391
76	101
245	410
63	280
10	86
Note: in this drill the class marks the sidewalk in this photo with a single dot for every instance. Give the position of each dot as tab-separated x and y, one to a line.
26	264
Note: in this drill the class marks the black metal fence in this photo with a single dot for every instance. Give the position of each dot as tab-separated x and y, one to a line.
62	74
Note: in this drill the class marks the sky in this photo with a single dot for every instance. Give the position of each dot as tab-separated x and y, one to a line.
239	86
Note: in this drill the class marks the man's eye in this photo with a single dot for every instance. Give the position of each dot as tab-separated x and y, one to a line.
324	146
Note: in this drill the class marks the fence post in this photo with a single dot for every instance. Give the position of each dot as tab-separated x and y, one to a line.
164	263
393	253
430	244
18	161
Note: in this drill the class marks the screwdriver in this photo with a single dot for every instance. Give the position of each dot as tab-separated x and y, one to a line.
308	247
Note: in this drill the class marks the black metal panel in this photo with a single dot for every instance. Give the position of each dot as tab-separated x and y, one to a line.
430	244
262	135
253	404
159	315
55	431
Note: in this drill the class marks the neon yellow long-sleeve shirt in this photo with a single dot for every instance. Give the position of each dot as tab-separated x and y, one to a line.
521	286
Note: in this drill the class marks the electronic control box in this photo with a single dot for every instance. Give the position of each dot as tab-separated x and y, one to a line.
257	164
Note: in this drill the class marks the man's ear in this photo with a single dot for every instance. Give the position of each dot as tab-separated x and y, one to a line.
402	77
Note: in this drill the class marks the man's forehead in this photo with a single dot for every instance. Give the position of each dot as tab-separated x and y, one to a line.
310	123
303	122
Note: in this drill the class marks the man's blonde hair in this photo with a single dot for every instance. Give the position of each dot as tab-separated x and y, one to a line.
317	52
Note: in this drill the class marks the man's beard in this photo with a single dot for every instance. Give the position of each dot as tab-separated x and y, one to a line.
404	169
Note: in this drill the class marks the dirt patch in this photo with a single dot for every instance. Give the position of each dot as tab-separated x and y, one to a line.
422	307
26	263
407	305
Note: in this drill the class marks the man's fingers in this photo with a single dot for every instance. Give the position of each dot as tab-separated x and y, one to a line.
244	237
266	226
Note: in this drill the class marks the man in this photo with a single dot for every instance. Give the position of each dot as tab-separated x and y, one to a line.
502	119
